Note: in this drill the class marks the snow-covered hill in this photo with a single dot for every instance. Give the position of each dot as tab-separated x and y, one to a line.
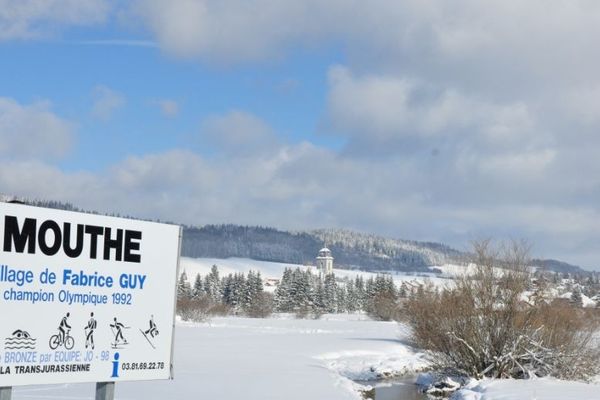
352	250
386	248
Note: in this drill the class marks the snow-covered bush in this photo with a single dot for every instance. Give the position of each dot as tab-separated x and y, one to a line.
195	310
384	306
261	306
481	327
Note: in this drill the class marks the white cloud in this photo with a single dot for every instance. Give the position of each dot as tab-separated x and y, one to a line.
487	43
223	31
453	198
304	186
168	107
582	104
239	132
526	164
386	112
30	19
33	130
105	102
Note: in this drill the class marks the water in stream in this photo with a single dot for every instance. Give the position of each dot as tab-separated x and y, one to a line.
403	389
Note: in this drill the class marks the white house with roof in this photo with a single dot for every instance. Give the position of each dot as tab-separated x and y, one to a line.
325	261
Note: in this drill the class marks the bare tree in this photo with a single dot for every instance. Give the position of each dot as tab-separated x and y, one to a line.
481	326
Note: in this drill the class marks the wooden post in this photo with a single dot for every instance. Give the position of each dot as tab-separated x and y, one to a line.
104	391
5	393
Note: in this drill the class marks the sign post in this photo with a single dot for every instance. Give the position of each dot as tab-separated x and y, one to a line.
5	393
105	391
85	298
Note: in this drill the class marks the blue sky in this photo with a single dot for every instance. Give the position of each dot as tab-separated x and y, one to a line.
414	119
289	93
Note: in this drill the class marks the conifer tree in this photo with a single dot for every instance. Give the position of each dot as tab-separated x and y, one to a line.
318	295
341	298
352	300
359	286
369	294
330	292
238	292
301	293
227	289
197	290
254	290
212	285
283	302
576	299
184	289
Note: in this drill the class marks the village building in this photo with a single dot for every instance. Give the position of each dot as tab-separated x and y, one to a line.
325	261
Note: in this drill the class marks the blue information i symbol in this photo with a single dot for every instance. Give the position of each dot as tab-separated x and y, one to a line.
115	371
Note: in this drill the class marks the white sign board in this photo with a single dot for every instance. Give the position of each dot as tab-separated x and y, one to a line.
85	298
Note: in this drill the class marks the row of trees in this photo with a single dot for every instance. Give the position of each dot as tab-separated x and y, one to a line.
304	293
299	291
232	294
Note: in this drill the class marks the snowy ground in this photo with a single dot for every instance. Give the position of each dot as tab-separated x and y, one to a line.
284	358
535	389
586	301
276	358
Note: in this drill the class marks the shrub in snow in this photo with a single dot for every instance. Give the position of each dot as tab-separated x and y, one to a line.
195	310
576	299
382	299
481	327
261	306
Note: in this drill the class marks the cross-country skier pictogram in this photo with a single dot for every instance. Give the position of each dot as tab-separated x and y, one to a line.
89	331
117	329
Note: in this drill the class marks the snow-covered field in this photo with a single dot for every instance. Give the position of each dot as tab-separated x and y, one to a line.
534	389
284	358
277	358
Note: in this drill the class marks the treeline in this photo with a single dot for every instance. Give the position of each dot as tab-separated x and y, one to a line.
300	292
307	294
234	294
258	243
